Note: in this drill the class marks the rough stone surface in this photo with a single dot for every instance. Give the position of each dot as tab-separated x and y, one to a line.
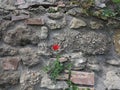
21	36
92	42
112	80
30	57
88	42
47	82
43	48
79	62
8	51
57	15
52	24
4	25
39	10
10	63
113	62
75	11
9	78
29	78
116	39
82	78
93	64
20	17
95	25
44	32
77	23
28	29
20	2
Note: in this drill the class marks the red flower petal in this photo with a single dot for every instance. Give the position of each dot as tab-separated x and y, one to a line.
55	47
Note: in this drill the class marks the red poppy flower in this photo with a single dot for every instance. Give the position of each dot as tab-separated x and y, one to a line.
55	47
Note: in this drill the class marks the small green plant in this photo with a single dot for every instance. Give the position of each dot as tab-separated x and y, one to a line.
88	88
108	13
116	1
71	85
56	68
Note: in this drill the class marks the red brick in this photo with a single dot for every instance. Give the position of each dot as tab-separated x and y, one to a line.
82	78
20	17
34	21
86	88
10	63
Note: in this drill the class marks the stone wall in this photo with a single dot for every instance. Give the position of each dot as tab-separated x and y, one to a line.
29	28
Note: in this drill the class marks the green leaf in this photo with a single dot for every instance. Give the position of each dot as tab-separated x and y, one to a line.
116	1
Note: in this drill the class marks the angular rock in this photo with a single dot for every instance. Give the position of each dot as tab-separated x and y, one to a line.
10	63
21	35
20	17
112	80
24	6
43	48
82	78
93	64
79	62
8	2
34	21
94	67
4	12
9	7
4	25
20	2
57	15
77	23
8	51
30	78
95	25
116	38
30	57
47	83
100	3
52	24
39	10
75	11
9	78
43	33
60	4
113	62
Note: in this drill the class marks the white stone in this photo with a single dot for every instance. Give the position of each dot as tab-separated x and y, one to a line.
112	80
77	23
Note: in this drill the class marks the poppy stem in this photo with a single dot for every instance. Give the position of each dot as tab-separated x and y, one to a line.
58	56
